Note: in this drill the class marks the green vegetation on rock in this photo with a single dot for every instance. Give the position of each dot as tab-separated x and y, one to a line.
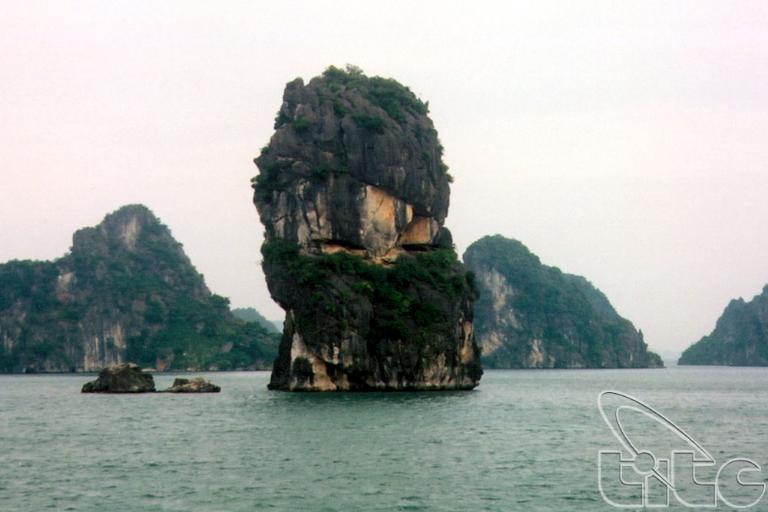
388	94
533	315
740	337
394	292
252	315
126	292
356	106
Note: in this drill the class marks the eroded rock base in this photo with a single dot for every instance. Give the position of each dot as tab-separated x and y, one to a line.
357	326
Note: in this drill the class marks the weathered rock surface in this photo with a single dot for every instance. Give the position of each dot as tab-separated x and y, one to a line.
195	385
530	315
353	194
126	292
740	337
121	378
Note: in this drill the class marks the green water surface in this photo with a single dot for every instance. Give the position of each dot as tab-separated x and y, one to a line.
524	440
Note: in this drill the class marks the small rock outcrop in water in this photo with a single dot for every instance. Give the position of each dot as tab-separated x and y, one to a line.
121	378
353	194
740	337
126	292
195	385
530	315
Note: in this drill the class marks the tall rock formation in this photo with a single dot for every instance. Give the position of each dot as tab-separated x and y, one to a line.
530	315
353	194
740	337
126	292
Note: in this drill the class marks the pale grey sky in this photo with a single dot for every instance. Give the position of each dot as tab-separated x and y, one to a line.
624	141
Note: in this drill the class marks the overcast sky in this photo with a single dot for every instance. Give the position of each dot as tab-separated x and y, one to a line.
624	141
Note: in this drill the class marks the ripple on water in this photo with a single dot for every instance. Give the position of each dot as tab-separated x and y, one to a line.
522	441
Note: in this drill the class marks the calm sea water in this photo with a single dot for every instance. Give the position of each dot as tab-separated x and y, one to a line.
524	440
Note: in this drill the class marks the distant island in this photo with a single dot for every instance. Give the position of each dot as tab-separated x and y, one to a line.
125	292
740	337
531	315
252	315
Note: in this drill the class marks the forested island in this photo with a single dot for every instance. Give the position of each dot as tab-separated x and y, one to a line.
125	292
531	315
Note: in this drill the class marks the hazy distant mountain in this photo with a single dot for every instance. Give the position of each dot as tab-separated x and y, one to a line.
531	315
126	292
251	315
740	337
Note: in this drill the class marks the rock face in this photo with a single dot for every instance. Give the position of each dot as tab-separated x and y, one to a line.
353	194
740	337
121	378
126	292
196	385
530	315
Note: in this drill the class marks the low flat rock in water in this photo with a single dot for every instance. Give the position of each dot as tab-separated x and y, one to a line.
196	385
121	378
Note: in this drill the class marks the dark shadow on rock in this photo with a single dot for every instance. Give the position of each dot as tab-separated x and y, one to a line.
121	378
